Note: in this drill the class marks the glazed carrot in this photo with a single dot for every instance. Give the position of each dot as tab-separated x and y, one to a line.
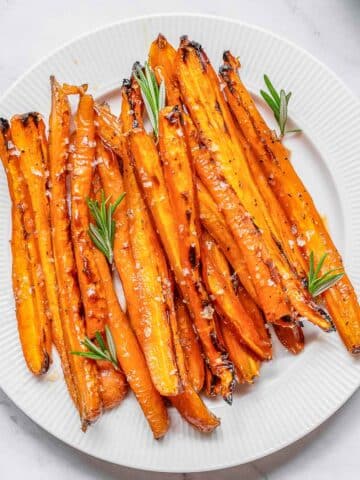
249	241
151	176
109	131
113	386
188	402
92	292
297	203
81	370
179	179
214	121
193	358
26	136
247	365
213	220
130	356
153	282
292	338
218	279
131	116
184	263
162	60
210	388
152	326
162	56
27	275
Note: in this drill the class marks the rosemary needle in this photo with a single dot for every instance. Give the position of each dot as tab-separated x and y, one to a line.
153	94
100	351
319	284
102	233
278	102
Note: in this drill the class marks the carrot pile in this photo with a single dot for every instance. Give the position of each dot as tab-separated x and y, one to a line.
211	242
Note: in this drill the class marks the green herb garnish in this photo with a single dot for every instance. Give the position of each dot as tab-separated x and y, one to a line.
278	102
318	284
153	94
102	234
100	351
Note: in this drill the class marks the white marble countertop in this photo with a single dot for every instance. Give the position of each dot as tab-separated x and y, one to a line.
329	29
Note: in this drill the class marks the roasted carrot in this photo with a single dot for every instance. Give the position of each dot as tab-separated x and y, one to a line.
247	365
152	179
27	275
26	136
188	402
81	370
185	263
148	290
130	356
193	357
92	292
214	222
218	279
110	133
297	203
109	129
162	56
214	121
292	338
113	385
162	60
210	388
152	326
131	117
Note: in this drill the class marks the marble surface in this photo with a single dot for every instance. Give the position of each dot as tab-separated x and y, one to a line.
329	29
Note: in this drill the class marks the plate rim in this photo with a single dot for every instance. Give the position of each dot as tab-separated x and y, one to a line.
335	77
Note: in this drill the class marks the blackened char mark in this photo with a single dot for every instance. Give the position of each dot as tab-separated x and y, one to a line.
204	61
26	117
186	45
137	66
192	256
161	41
46	363
4	125
126	83
173	116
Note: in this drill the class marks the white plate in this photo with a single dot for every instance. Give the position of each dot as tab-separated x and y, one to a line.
294	394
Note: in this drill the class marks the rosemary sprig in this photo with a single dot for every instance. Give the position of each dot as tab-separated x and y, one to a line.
152	93
318	285
100	351
102	234
278	102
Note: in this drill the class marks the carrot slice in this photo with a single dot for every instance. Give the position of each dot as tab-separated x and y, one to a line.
297	203
218	279
81	370
215	123
27	275
192	352
152	326
247	365
129	352
152	180
92	292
